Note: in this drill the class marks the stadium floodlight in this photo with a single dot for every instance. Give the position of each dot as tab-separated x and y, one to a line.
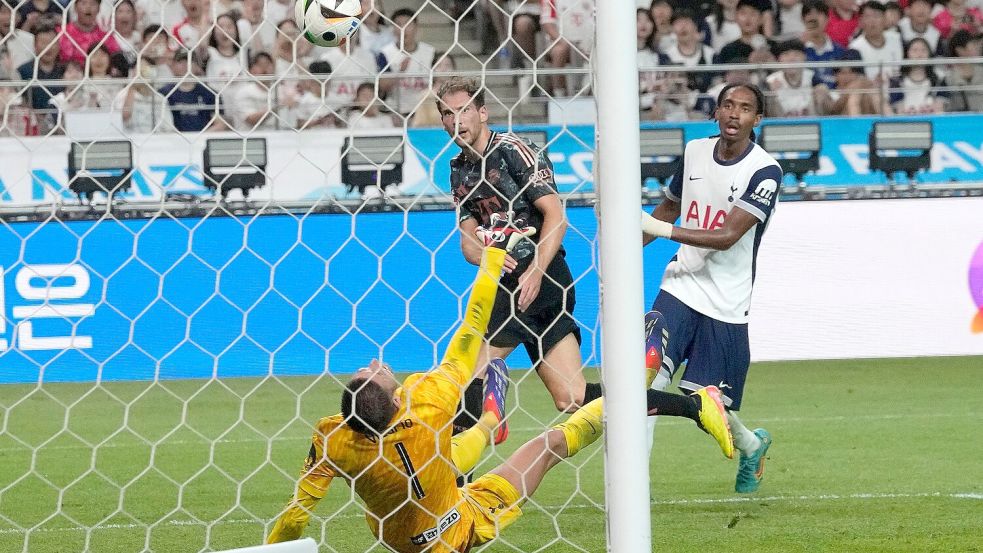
903	146
796	146
372	161
99	167
234	163
661	150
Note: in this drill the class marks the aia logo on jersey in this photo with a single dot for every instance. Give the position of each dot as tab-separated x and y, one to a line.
976	287
765	192
705	217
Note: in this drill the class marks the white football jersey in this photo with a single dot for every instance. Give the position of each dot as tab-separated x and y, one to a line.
718	283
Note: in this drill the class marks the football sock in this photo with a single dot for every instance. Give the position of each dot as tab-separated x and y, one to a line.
592	391
673	405
583	427
660	383
471	405
467	446
744	439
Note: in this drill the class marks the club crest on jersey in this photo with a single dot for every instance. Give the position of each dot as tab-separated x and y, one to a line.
765	192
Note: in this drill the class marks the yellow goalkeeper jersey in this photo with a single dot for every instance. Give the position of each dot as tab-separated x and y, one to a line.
407	480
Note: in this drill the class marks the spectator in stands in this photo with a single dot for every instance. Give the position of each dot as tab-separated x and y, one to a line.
569	29
75	97
706	104
688	51
351	65
525	18
308	108
854	94
251	105
428	115
661	95
917	23
788	20
191	31
723	24
791	90
130	40
291	53
365	113
218	7
142	108
16	118
966	79
879	49
18	44
45	66
914	92
957	16
156	47
406	55
194	107
226	59
660	13
30	13
892	16
751	45
818	45
100	87
256	31
844	18
278	10
78	36
375	34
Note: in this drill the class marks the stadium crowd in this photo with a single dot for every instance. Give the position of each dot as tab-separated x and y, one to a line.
193	65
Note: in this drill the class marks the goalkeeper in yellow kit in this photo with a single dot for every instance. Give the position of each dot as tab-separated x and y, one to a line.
392	443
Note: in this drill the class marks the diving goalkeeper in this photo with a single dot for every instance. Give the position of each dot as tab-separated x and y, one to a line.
392	443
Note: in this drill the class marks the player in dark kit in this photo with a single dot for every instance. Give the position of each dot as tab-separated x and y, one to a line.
500	179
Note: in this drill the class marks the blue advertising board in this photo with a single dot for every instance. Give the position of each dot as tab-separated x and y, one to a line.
225	297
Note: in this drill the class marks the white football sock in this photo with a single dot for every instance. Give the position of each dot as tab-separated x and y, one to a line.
744	439
660	383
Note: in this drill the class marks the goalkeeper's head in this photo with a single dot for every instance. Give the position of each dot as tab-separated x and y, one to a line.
369	401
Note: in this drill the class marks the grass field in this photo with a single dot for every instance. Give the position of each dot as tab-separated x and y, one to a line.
879	455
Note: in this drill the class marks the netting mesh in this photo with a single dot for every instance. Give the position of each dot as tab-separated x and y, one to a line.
180	308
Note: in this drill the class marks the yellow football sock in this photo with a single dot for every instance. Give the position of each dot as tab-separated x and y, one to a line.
467	447
583	427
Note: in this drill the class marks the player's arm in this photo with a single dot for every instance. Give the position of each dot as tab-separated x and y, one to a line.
669	209
313	485
461	357
554	228
754	207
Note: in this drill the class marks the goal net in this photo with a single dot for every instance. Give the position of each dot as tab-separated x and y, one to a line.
278	215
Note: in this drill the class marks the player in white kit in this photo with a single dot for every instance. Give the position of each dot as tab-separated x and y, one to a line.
723	196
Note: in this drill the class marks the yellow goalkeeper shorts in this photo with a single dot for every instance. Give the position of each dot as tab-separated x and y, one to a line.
493	503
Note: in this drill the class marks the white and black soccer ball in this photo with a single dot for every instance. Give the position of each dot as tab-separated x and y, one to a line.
328	22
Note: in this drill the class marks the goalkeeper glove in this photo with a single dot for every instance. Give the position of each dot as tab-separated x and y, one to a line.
504	232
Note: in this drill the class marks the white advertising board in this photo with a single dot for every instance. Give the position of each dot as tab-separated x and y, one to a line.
877	278
301	166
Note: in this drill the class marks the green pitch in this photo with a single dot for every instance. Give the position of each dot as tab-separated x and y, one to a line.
880	455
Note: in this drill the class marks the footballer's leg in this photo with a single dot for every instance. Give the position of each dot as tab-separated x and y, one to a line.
677	326
468	446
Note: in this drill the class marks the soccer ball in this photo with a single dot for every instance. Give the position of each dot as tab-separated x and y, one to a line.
327	22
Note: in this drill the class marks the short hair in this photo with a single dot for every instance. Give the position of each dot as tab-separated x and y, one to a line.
960	39
794	45
151	30
258	56
755	4
872	5
319	67
404	12
684	14
759	96
365	85
462	84
366	407
809	6
929	2
892	5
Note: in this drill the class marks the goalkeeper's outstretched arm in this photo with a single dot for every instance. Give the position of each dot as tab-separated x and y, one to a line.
461	357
